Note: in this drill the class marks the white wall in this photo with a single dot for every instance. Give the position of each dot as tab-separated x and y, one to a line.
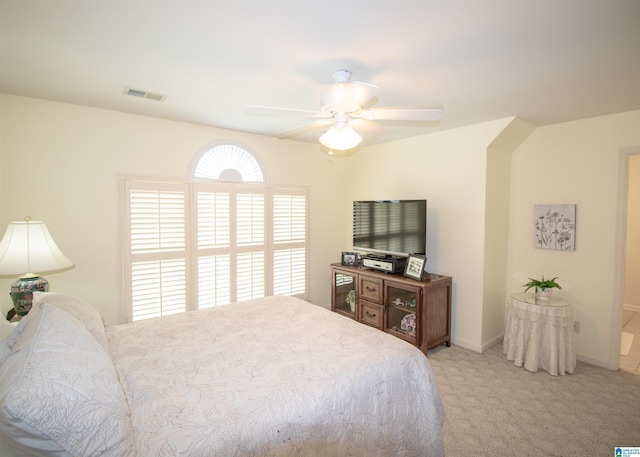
576	163
448	169
498	179
60	163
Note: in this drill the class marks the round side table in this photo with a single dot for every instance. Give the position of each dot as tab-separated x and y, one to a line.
539	334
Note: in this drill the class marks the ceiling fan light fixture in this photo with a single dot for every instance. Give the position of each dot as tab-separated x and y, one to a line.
340	137
346	100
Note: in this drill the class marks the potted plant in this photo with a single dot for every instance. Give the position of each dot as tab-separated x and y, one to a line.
542	287
351	299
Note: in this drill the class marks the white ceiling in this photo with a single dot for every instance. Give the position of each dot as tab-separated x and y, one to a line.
546	61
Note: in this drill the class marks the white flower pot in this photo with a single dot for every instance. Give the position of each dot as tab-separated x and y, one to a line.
544	294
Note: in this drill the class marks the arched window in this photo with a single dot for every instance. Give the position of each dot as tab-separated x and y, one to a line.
219	237
229	163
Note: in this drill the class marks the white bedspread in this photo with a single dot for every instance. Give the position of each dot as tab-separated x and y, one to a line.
275	377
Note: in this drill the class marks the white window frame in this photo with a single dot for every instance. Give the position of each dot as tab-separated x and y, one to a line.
233	250
298	244
152	255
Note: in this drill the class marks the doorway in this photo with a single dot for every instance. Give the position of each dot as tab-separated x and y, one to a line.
630	338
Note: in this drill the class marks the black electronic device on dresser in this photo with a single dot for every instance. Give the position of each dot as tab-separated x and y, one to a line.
387	264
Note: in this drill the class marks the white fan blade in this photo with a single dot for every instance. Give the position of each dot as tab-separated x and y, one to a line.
286	112
391	114
349	94
304	128
348	97
358	93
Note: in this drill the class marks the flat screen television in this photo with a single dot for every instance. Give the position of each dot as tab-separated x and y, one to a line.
390	227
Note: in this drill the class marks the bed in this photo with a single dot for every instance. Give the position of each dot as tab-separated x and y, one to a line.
275	376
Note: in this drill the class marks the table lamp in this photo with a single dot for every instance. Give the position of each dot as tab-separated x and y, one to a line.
27	247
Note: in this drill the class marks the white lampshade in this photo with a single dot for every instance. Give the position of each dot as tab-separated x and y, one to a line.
340	136
27	248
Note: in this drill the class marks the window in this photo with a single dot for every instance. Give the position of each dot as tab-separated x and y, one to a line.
156	246
219	162
208	241
231	245
289	235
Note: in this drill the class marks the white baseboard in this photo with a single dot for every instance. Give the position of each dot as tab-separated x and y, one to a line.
466	345
475	347
634	308
590	361
492	342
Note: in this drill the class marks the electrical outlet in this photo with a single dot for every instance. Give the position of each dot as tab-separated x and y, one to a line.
576	326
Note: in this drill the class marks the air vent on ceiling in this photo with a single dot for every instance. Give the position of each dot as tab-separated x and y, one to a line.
144	94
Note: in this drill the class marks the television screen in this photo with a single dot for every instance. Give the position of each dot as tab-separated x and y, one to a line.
390	227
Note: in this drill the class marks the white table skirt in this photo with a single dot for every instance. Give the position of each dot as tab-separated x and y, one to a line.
540	336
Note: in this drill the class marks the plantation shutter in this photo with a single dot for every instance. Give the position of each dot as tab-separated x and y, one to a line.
289	229
203	244
213	213
250	243
230	252
156	264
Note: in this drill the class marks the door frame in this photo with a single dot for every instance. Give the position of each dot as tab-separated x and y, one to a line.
620	255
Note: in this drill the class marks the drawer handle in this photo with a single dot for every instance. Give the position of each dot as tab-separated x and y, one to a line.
371	289
370	314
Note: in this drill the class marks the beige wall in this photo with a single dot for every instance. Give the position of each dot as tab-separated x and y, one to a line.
460	174
498	178
76	154
576	163
448	169
61	163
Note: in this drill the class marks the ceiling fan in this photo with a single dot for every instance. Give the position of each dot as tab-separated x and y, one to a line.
345	101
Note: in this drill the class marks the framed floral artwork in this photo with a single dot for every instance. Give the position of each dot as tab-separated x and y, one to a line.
554	227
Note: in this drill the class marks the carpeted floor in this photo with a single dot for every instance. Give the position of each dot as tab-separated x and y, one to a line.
494	408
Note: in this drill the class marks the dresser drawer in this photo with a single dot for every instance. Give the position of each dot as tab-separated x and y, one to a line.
371	314
371	289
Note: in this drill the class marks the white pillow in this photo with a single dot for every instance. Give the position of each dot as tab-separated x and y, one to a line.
79	309
6	328
17	330
59	392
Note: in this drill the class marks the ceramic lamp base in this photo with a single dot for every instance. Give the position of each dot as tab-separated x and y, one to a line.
22	292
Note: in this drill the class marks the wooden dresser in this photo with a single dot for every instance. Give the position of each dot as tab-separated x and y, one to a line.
416	311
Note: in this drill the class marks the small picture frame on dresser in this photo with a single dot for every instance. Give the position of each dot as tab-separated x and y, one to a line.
349	258
415	266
